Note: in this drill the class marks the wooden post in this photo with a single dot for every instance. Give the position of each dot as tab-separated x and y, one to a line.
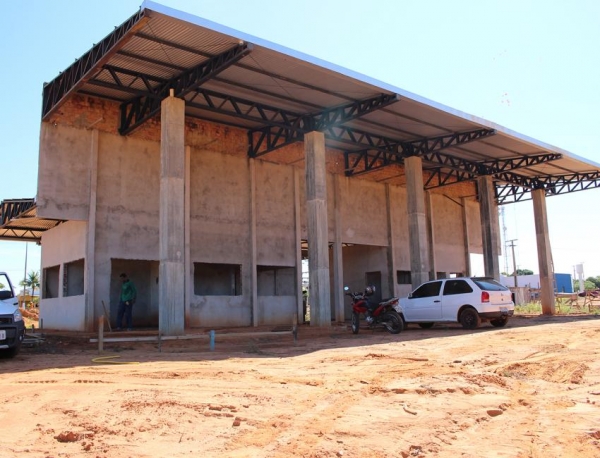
101	334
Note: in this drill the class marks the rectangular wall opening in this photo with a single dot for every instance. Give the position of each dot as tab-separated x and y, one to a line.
73	273
217	279
276	281
51	282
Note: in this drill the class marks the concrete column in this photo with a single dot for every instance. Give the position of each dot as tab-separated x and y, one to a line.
540	216
490	227
298	232
338	264
318	244
391	251
466	238
417	221
171	283
253	273
90	247
189	268
431	236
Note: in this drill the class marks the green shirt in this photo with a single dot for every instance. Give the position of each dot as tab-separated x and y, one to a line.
128	292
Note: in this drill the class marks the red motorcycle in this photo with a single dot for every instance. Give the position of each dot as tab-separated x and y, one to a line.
385	314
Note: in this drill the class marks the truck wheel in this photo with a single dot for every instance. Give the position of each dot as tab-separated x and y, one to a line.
499	322
355	323
11	352
469	318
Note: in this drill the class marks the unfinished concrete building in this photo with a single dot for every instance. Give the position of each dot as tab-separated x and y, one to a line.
208	164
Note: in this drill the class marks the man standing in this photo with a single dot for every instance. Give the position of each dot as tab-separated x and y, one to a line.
126	301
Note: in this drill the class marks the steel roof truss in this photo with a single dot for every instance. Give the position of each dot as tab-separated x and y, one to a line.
428	148
13	208
139	109
552	185
289	127
64	83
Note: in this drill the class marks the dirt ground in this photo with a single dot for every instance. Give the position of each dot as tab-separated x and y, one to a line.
531	389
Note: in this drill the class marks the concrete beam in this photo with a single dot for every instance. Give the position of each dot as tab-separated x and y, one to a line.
171	284
318	243
466	238
338	264
542	235
417	221
490	228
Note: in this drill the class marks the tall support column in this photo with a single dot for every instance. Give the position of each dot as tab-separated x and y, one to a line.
466	238
542	235
338	265
431	236
253	273
298	229
391	251
171	283
90	248
417	221
490	227
318	246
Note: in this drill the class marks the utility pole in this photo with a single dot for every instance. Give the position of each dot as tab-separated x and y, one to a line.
512	245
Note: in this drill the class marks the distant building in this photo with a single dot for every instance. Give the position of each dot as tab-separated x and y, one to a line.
562	282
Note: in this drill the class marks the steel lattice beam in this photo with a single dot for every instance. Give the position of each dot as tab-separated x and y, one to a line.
552	186
279	134
454	170
387	151
65	82
141	108
13	208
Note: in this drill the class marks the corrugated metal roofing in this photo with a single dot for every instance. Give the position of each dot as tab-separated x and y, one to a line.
160	43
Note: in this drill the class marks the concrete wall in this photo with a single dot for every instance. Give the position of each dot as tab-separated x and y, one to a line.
241	212
60	245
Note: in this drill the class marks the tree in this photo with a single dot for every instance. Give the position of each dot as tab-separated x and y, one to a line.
32	281
524	272
594	280
587	285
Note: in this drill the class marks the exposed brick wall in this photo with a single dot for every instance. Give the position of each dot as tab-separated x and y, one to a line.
86	112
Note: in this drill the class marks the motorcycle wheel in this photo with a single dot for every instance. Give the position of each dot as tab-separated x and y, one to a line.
355	323
394	321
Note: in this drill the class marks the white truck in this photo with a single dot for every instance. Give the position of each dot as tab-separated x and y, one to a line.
12	326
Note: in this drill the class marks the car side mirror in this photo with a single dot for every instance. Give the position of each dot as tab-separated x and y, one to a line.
410	296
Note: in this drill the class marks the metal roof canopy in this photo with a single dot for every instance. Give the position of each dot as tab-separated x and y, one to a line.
19	221
278	94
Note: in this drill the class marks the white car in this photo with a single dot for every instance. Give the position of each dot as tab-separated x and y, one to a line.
12	327
466	300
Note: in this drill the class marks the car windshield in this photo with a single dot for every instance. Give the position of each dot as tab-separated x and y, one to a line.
489	284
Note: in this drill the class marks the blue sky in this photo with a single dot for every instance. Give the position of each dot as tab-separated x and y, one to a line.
531	66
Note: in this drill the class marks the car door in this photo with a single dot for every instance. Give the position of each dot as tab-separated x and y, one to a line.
456	293
424	304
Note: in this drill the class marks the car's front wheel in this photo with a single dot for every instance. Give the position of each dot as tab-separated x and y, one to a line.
469	318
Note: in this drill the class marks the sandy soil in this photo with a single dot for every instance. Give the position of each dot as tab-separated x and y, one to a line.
531	389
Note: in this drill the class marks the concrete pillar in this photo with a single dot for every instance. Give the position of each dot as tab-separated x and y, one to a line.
318	243
298	229
171	283
338	264
391	251
490	227
90	247
253	273
466	238
542	235
417	221
431	236
189	268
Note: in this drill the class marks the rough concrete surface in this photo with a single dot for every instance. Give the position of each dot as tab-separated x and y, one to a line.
531	389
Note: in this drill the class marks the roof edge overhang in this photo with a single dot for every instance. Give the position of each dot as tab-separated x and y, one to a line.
379	85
